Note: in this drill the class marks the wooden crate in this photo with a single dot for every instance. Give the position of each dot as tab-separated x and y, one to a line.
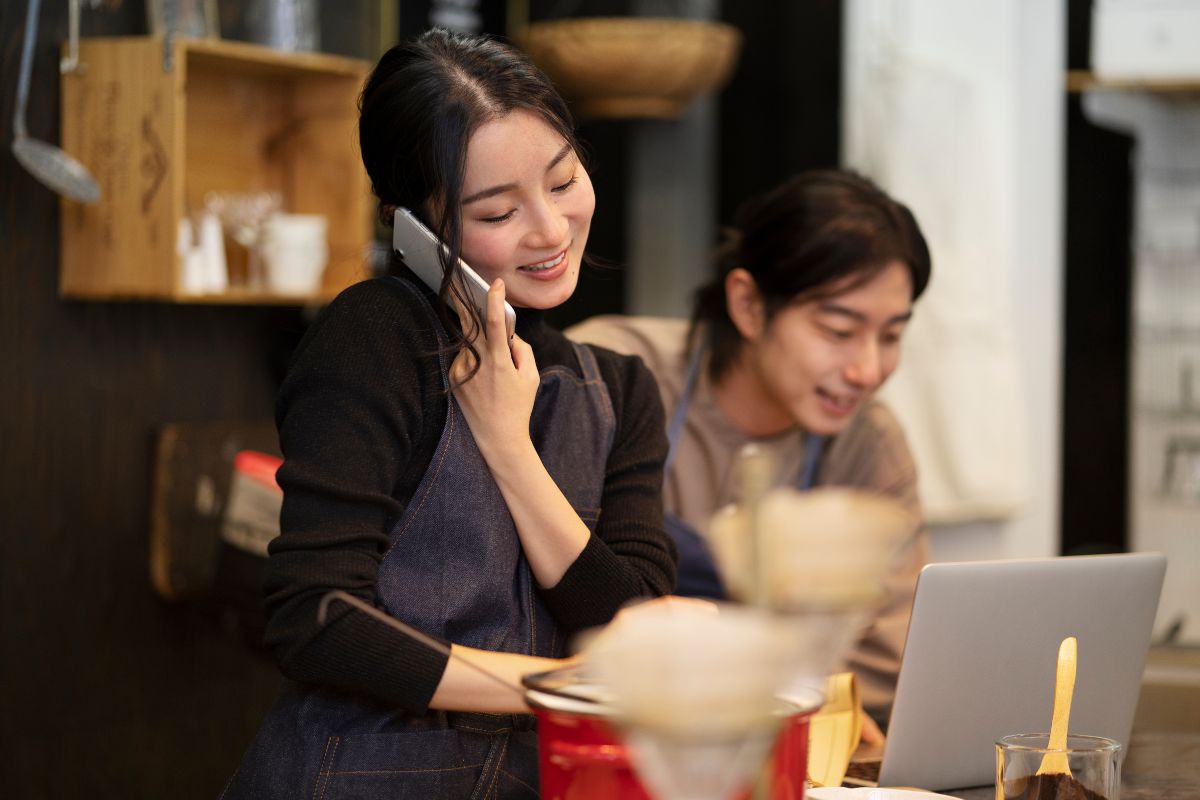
228	116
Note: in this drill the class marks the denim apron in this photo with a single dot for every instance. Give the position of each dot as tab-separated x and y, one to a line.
698	575
455	569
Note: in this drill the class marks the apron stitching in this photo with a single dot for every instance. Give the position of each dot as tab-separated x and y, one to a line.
517	779
489	760
321	771
323	775
589	377
228	783
565	372
499	761
592	376
483	773
486	731
413	771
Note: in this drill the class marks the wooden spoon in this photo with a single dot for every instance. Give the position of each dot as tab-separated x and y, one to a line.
1064	686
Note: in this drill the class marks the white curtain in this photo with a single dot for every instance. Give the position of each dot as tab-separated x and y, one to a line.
926	92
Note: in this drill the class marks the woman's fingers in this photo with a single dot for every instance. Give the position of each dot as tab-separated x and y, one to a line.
497	330
494	350
522	355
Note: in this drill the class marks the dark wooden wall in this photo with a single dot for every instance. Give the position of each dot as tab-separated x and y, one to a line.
105	690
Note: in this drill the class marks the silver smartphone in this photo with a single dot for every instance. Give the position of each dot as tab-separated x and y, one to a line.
421	251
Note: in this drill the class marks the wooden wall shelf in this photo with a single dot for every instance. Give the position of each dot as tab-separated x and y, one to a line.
227	116
1079	80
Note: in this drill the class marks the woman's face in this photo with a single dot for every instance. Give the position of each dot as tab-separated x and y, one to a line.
817	362
527	209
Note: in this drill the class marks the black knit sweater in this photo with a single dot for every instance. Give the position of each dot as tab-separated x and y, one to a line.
359	416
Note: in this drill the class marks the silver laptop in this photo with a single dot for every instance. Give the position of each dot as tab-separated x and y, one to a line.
979	661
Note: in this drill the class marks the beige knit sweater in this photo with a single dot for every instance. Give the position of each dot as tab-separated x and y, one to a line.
871	454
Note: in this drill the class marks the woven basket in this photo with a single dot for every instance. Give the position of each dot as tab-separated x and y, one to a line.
633	66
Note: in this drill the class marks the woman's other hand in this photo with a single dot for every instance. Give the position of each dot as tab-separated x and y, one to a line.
871	734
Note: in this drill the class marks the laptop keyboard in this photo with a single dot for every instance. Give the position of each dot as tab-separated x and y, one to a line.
862	773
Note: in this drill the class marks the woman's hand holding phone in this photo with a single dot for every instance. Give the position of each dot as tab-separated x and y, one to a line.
498	399
498	402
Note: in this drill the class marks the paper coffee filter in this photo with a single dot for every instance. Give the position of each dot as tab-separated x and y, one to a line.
823	637
728	537
830	545
825	546
695	672
849	517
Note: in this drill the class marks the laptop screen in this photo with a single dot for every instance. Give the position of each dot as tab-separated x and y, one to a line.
980	657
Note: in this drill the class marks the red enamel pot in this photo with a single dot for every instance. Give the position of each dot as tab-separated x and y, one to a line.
582	757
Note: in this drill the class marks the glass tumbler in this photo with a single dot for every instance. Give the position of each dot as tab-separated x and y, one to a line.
1094	762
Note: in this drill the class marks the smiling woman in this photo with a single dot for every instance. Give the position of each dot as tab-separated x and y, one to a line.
496	500
527	210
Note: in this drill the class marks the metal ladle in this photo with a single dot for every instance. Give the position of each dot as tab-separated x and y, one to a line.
47	163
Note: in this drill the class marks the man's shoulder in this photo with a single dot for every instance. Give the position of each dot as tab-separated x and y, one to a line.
874	433
658	341
876	420
872	451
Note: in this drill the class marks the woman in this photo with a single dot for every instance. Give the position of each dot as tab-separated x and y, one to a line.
786	348
498	500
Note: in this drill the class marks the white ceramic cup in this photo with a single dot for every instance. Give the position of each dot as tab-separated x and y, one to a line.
295	251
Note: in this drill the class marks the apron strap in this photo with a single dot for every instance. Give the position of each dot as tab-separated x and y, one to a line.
813	447
443	339
587	362
679	413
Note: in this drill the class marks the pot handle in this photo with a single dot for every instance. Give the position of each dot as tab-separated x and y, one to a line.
569	756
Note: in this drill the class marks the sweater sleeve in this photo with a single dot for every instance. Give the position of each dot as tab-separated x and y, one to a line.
354	425
875	456
630	555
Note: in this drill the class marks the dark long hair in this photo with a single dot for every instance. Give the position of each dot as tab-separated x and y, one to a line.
803	239
418	110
